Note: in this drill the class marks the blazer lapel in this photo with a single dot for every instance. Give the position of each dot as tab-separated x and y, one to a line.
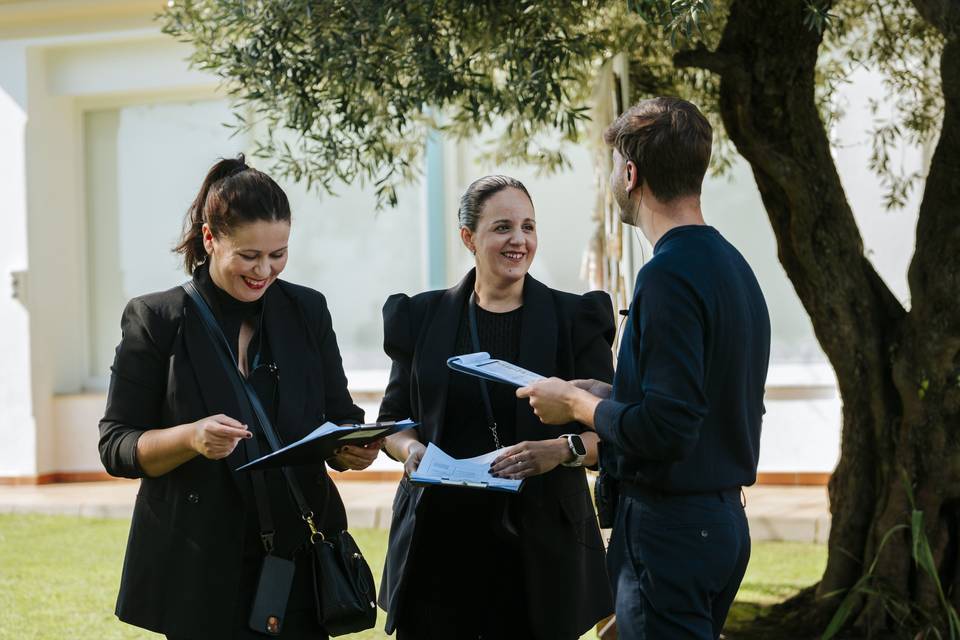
286	330
438	341
216	391
538	348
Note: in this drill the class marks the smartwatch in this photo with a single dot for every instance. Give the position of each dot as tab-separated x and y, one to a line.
579	451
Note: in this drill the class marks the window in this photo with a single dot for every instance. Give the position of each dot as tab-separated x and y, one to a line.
144	165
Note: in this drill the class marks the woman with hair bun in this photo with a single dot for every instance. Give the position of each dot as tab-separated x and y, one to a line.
197	544
470	564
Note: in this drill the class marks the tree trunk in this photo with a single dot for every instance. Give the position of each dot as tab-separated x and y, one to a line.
898	371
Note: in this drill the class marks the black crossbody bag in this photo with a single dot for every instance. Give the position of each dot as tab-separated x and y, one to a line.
344	591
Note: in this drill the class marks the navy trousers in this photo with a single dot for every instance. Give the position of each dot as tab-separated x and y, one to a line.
676	563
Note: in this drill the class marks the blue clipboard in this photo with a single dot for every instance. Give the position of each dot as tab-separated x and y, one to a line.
481	365
321	443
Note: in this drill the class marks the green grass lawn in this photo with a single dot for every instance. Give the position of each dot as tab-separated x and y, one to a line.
59	577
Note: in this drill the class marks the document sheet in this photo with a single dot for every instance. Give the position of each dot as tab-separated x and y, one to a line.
437	467
480	364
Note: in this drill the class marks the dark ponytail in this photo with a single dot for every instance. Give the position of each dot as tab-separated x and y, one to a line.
232	195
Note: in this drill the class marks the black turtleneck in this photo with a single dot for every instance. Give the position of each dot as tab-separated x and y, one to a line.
231	314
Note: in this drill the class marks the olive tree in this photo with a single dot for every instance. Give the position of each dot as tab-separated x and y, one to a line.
345	90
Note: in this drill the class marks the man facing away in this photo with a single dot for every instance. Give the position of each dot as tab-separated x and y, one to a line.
680	427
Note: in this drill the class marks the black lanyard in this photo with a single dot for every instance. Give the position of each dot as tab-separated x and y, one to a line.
475	338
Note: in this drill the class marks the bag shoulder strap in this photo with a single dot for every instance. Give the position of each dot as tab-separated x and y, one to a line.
250	403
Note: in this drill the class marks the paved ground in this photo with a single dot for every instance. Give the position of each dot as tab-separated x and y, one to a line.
775	513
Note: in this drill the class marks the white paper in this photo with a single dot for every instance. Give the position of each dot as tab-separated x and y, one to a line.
509	372
438	467
482	364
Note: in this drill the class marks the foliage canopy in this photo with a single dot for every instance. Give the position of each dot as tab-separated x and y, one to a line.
344	90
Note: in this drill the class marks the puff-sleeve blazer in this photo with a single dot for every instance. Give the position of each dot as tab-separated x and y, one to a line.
563	335
182	568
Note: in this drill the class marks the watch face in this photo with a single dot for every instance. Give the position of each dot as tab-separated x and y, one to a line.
577	443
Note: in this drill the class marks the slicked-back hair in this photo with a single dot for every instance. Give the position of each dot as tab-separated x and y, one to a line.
481	190
669	141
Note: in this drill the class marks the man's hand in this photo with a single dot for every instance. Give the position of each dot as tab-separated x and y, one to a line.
557	401
215	437
596	388
357	458
550	400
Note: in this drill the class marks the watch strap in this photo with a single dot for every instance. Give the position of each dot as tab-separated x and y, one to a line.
577	458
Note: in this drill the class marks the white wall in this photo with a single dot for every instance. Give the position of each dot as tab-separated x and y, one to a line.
56	239
17	427
45	86
144	166
141	62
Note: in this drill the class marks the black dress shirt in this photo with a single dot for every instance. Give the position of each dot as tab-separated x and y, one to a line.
688	393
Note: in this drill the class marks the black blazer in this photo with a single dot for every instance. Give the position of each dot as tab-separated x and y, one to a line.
181	572
562	335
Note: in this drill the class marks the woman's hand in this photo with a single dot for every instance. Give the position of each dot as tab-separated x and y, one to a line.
597	388
215	437
415	451
530	458
357	458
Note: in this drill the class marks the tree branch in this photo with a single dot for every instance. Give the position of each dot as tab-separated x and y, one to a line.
934	274
703	58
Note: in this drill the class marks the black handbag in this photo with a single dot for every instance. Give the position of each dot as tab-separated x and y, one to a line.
343	585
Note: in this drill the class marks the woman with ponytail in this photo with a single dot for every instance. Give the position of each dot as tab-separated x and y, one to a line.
197	541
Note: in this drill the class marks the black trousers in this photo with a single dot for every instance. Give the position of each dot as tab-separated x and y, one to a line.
465	572
676	563
472	606
434	621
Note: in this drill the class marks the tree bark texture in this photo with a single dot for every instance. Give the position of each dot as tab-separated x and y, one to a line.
898	371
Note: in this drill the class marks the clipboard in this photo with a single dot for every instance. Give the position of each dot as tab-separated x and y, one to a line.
320	444
481	365
450	482
439	468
